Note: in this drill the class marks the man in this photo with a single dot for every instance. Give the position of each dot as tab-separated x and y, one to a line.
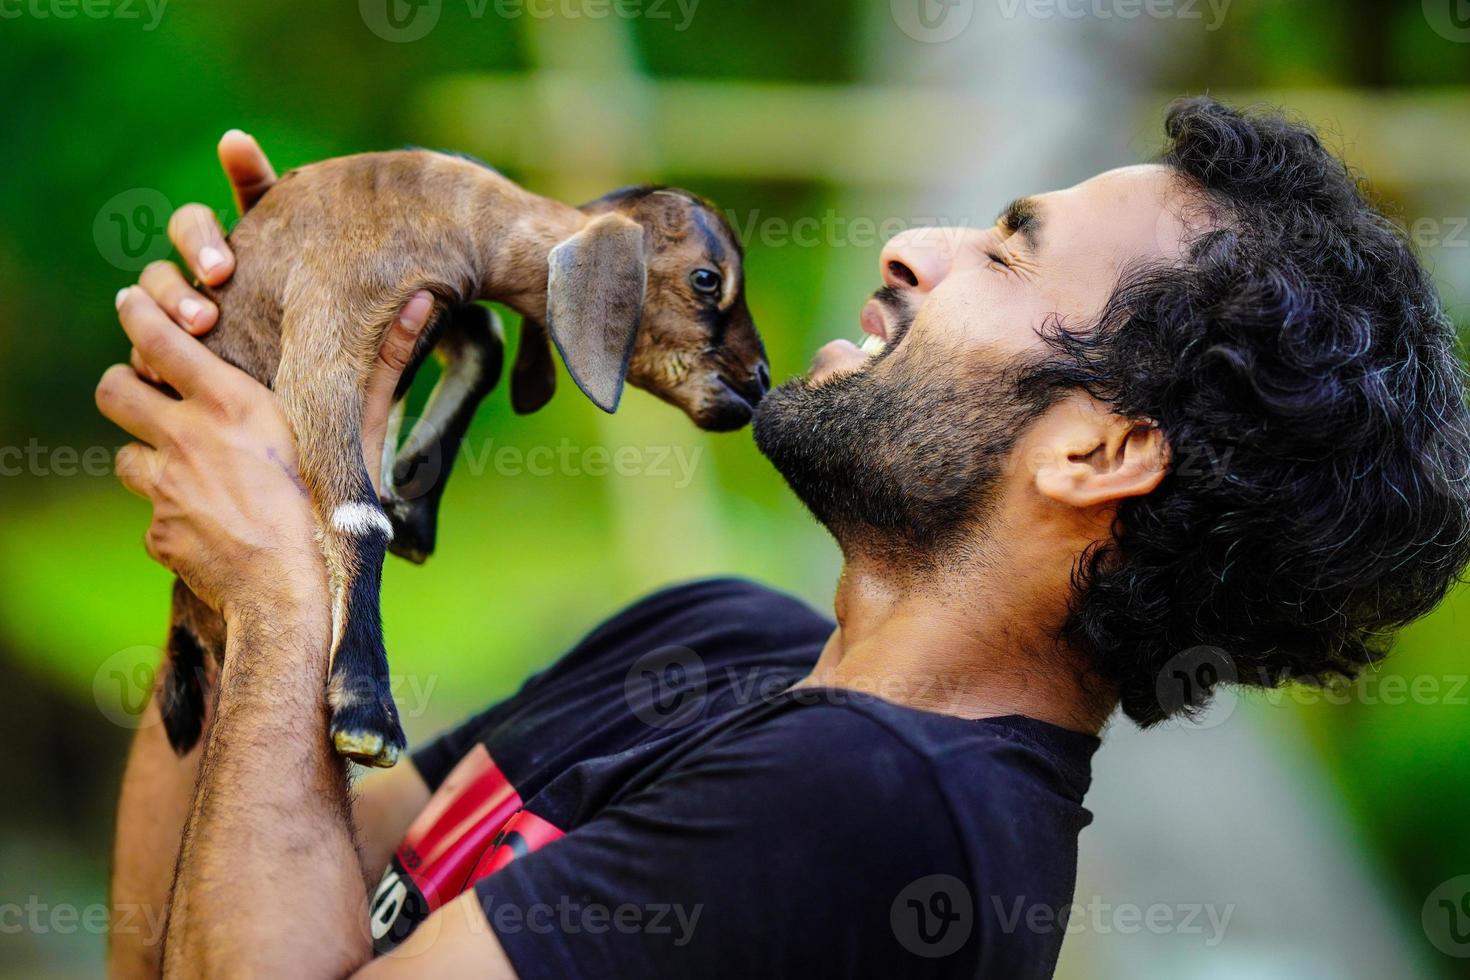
1184	423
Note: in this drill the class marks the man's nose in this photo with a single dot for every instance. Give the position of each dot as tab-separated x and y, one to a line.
919	258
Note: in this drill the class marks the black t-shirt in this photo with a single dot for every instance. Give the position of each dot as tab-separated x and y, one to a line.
658	803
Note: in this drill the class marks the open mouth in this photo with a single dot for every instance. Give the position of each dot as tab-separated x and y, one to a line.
875	325
884	321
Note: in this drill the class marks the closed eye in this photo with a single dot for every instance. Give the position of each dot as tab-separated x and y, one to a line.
997	259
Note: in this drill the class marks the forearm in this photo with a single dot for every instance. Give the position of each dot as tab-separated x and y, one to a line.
157	790
269	881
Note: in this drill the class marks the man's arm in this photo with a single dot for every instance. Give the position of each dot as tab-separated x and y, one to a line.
268	850
268	876
154	802
158	786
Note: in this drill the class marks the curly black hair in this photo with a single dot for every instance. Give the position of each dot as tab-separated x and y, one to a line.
1305	376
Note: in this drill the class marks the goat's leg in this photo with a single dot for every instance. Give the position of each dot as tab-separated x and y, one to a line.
472	351
320	384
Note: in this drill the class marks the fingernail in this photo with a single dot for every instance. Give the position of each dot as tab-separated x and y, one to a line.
233	132
210	258
416	310
122	294
190	309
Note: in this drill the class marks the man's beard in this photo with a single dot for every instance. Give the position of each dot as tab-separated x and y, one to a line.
902	458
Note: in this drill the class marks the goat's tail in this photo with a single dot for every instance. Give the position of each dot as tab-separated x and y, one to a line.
194	631
181	694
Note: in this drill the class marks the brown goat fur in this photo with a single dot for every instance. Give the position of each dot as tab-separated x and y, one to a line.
645	285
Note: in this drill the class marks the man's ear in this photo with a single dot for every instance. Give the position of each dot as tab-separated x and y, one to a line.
594	302
1093	457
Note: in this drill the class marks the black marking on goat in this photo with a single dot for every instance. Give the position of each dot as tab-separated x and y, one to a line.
181	696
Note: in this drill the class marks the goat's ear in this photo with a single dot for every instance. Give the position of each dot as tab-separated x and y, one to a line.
533	380
594	302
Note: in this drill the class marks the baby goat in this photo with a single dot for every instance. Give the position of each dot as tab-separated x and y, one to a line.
645	285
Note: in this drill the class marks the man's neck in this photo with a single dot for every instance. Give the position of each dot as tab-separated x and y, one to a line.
976	643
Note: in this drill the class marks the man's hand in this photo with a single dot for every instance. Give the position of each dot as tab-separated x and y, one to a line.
231	515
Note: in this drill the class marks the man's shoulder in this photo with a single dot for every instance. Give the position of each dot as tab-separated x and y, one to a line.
727	602
719	621
835	737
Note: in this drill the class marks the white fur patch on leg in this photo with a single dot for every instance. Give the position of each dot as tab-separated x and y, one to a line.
339	619
361	520
338	694
390	444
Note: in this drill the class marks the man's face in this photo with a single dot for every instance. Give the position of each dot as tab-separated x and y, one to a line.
899	446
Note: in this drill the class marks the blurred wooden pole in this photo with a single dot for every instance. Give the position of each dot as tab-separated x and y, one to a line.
826	133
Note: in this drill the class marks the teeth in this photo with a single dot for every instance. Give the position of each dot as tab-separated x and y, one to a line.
874	345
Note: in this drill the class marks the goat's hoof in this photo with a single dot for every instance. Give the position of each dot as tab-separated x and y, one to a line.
359	746
409	552
364	725
413	528
366	748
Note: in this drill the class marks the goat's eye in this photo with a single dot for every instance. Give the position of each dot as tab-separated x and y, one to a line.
705	281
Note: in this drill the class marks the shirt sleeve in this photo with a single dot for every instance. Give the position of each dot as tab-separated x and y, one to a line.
784	850
721	618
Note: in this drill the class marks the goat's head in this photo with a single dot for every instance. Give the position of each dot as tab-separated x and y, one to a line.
652	292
